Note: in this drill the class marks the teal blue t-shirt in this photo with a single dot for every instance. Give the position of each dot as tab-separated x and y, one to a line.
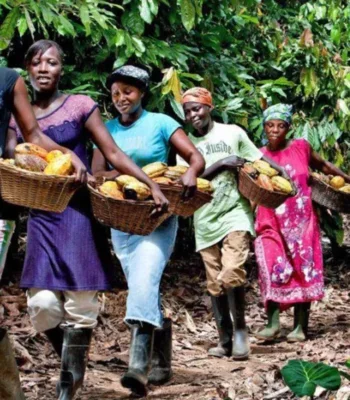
147	139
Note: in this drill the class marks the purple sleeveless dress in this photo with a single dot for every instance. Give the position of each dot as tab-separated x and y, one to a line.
68	250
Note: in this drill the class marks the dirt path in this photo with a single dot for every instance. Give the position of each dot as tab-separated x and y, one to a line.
196	376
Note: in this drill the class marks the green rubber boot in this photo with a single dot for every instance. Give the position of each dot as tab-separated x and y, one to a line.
272	328
301	322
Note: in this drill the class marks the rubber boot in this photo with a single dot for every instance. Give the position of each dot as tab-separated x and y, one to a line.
55	336
75	350
140	357
10	386
162	353
236	302
224	325
301	322
272	328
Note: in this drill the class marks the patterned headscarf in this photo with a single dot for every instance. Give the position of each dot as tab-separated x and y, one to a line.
129	71
280	111
197	95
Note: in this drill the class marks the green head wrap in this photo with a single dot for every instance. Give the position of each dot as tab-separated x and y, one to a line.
279	111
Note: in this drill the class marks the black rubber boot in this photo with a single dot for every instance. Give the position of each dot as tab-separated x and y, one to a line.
140	354
162	353
236	302
75	350
10	386
301	323
55	336
224	324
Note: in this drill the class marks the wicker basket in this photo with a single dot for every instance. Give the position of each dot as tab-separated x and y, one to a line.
184	208
129	216
328	197
36	190
255	193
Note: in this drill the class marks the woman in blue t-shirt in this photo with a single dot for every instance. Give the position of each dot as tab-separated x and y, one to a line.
146	137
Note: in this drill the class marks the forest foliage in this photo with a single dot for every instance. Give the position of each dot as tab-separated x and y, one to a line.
250	53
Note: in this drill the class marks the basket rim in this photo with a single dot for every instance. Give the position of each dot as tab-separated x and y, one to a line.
316	181
138	202
35	175
178	188
273	192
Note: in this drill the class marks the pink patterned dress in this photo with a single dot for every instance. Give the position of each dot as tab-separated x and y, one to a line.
288	245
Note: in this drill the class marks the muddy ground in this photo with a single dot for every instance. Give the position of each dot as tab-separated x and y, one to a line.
196	376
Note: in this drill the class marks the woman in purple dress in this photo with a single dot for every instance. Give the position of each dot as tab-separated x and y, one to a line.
67	261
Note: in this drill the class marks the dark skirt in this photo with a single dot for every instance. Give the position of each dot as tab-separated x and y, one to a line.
67	251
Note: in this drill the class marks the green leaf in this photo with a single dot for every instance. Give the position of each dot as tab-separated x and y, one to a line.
154	6
138	44
133	22
145	11
309	80
302	377
177	107
48	15
99	18
195	77
8	27
67	25
29	22
119	38
22	26
343	106
85	19
188	14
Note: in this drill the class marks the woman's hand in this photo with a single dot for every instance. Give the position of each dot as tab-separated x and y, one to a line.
189	183
79	168
161	202
232	162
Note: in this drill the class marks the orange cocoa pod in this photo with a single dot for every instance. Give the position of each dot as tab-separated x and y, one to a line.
30	162
250	170
30	148
265	182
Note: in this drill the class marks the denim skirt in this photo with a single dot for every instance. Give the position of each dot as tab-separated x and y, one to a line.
143	259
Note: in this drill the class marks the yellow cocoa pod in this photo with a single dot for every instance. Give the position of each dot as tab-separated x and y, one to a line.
337	182
30	148
181	169
264	168
281	184
176	172
155	169
30	162
9	161
163	180
136	191
53	154
60	166
110	189
204	185
345	189
122	180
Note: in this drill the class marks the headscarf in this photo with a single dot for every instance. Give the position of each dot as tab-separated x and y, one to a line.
280	111
197	95
131	72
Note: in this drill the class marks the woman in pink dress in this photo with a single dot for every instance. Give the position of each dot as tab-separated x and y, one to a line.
288	245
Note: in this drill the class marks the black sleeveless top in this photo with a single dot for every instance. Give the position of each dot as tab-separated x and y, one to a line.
8	78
